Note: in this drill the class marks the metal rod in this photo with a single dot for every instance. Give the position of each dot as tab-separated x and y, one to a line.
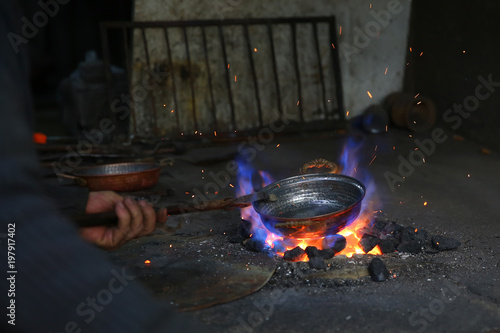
297	72
129	77
107	74
275	68
336	69
225	22
191	80
153	103
320	67
172	74
254	75
228	80
212	99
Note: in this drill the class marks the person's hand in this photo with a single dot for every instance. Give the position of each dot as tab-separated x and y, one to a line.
135	219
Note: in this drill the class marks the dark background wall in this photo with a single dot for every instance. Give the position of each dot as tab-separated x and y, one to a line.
443	30
62	43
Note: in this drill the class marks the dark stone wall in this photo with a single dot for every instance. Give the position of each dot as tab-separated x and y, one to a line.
443	30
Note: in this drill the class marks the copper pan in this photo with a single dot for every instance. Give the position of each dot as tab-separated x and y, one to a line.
120	177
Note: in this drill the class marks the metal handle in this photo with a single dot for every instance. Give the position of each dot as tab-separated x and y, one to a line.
318	163
167	161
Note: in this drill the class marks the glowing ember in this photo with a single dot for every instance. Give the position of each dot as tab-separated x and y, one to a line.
147	262
348	165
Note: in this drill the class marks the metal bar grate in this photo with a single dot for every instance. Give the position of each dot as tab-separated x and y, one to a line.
231	77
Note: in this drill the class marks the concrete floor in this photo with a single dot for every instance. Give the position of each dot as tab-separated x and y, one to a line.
453	291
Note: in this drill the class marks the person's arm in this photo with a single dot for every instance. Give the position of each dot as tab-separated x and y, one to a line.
69	200
62	283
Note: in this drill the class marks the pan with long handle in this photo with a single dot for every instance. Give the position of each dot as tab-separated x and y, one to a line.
304	206
110	218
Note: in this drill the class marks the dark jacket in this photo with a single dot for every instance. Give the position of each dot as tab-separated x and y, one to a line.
56	275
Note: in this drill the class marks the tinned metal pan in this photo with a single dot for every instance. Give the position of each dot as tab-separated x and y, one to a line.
311	205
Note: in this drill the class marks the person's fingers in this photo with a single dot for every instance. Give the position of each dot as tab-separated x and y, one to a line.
112	197
137	220
149	218
102	201
119	233
161	215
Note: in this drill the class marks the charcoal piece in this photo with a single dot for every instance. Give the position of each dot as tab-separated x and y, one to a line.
410	247
317	263
392	228
335	242
295	254
388	244
411	234
312	251
379	225
245	229
368	242
367	230
255	245
378	270
443	243
327	253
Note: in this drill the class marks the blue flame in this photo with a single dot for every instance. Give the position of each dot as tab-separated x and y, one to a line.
349	158
352	165
245	186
